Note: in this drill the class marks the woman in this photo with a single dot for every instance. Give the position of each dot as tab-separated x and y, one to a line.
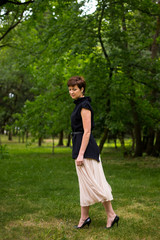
92	182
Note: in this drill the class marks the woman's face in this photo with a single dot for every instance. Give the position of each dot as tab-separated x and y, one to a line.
75	92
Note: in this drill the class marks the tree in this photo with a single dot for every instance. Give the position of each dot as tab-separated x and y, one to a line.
15	85
12	14
116	49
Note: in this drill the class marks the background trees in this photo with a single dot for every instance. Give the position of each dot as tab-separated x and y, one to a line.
116	48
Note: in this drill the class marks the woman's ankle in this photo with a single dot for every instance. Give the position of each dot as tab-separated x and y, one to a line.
83	218
111	215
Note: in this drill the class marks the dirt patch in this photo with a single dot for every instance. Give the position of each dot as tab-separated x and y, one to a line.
128	212
31	223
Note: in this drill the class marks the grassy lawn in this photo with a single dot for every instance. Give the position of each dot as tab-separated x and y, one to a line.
39	196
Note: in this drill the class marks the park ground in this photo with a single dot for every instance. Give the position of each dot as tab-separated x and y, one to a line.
39	196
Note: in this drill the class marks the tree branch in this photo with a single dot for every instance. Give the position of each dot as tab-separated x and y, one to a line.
5	45
10	28
146	11
3	2
13	25
155	45
100	35
20	3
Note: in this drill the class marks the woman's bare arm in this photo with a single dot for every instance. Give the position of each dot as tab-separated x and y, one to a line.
86	120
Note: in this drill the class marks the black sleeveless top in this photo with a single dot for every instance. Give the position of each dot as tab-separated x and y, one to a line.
92	150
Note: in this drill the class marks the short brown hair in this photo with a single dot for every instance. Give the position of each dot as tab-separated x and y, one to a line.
77	80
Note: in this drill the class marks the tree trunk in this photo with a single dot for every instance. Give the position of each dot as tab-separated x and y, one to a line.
110	72
138	149
26	136
69	140
137	127
10	136
115	143
60	143
137	130
133	141
104	137
156	150
22	137
155	45
121	138
2	130
145	139
150	142
40	141
123	148
154	53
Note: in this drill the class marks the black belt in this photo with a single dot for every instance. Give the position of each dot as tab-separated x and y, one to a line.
74	133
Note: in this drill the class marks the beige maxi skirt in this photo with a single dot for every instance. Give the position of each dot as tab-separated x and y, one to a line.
92	183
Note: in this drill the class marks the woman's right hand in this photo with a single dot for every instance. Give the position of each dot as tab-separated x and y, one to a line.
79	161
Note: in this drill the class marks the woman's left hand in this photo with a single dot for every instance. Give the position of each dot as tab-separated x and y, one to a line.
79	161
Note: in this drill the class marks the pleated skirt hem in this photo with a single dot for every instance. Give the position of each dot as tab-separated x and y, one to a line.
92	203
92	183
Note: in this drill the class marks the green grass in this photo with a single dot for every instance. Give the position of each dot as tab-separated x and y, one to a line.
39	196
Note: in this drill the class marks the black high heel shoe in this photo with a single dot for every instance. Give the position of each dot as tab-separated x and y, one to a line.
86	222
116	219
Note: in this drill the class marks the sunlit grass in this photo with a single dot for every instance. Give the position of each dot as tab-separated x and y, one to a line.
39	197
49	142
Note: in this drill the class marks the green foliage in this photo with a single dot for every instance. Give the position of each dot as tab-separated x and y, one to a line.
113	48
15	85
4	153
